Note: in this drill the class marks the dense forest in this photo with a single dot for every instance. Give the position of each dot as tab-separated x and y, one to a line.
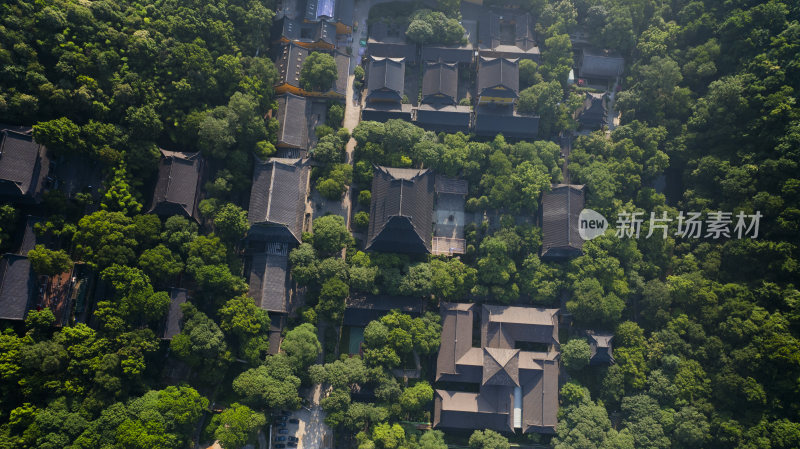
706	330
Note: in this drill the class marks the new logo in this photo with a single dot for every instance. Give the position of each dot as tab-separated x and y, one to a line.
591	224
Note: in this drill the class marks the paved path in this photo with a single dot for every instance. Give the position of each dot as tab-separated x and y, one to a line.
566	146
352	109
612	118
312	431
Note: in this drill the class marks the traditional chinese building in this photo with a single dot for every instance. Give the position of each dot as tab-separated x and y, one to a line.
24	166
507	378
178	187
401	210
561	207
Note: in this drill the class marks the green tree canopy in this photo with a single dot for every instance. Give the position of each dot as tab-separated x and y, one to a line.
301	346
273	384
49	262
318	72
235	426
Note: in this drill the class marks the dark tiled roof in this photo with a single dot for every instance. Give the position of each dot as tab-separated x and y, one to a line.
401	213
268	282
179	182
382	111
498	72
342	72
289	63
500	367
462	410
278	199
21	129
440	83
491	120
462	55
276	324
299	31
23	165
292	124
520	44
392	50
29	237
320	9
444	119
457	319
363	309
592	113
17	287
600	64
385	79
560	210
540	398
504	326
600	344
172	326
344	11
382	31
452	186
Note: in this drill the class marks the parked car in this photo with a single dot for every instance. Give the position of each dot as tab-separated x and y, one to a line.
285	413
280	446
280	439
284	431
293	439
294	421
281	418
280	424
292	444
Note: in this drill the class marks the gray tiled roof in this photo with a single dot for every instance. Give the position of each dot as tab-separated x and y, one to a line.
363	309
278	199
450	118
299	31
385	79
268	282
600	64
29	237
179	181
401	212
463	410
342	72
172	325
289	63
440	83
383	111
522	44
17	287
498	72
499	366
345	11
491	120
461	55
292	124
600	344
21	166
560	210
592	113
382	49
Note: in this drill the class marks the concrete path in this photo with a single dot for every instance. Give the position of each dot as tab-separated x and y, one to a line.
312	431
352	110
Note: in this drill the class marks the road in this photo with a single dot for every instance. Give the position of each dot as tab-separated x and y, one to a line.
352	109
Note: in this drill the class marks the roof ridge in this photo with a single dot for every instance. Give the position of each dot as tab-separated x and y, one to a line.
271	184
